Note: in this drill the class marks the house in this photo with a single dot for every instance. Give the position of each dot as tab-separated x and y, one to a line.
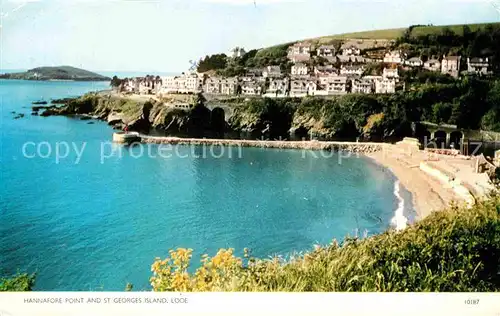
147	85
325	51
272	72
480	66
213	85
362	86
336	85
300	69
228	86
254	72
414	62
394	57
302	87
278	87
354	70
251	88
385	85
299	52
390	73
450	65
325	70
351	50
432	65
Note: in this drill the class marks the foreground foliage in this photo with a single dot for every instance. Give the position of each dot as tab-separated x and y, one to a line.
457	250
21	282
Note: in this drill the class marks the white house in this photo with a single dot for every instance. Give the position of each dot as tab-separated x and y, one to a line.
354	70
334	84
362	86
325	70
228	86
390	73
414	62
299	52
300	69
478	66
385	85
325	51
213	85
251	88
351	50
272	72
278	87
450	65
432	65
394	57
302	87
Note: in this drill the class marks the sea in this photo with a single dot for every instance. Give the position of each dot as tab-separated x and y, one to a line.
87	215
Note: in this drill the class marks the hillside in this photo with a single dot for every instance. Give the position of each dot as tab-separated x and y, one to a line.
56	73
392	34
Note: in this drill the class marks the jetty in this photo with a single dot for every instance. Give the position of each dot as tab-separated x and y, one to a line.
355	147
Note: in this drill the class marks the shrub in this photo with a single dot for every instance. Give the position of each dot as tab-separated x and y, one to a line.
21	282
457	250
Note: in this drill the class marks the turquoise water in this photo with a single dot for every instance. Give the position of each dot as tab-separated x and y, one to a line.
87	225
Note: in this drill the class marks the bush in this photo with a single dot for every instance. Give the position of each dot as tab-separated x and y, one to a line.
21	282
457	250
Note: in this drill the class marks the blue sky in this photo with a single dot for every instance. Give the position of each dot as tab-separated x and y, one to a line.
163	35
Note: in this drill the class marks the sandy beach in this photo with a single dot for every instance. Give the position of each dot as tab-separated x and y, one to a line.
429	194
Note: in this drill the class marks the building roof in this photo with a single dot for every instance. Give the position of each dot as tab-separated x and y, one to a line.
452	58
415	59
478	60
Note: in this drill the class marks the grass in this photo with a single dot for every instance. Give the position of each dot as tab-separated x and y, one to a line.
456	250
392	34
458	29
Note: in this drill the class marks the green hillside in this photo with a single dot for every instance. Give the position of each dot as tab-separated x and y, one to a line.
392	34
56	73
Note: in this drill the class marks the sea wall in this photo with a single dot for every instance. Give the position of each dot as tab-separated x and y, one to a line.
355	147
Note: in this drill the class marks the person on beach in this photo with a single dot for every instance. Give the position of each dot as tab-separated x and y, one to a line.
125	129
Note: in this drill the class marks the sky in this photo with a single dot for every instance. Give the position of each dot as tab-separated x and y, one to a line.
164	35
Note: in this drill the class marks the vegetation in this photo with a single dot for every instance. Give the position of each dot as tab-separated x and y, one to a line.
21	282
212	62
56	73
457	250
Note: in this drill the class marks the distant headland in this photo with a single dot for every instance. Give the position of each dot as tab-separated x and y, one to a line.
56	73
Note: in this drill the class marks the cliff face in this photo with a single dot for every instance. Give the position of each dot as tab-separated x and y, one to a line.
140	114
345	118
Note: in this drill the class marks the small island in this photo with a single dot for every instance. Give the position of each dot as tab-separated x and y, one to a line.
56	73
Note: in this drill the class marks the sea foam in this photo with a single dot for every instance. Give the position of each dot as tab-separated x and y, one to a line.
399	221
